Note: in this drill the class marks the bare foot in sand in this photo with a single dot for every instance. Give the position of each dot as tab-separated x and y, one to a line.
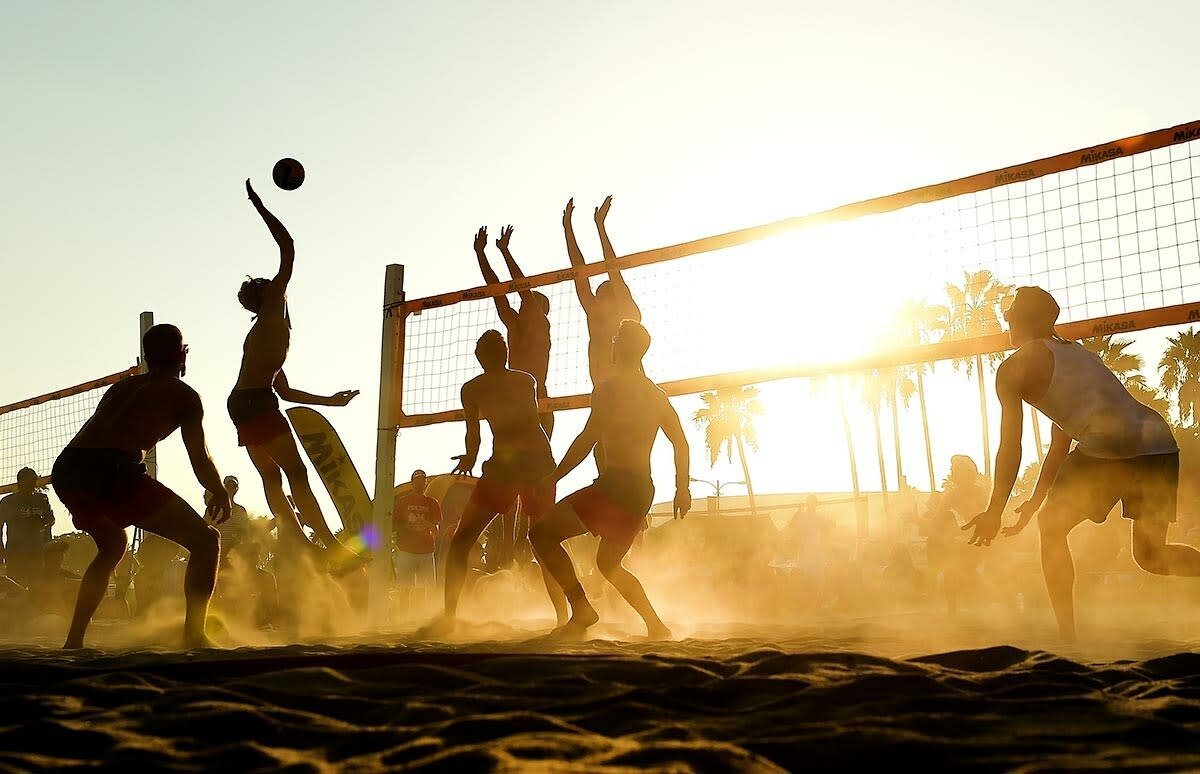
659	633
583	618
194	641
439	628
73	644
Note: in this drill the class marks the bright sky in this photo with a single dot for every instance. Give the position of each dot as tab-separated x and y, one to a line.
129	127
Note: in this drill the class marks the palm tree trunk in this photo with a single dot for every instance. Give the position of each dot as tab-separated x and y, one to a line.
925	427
882	471
987	444
1037	434
746	473
862	526
896	441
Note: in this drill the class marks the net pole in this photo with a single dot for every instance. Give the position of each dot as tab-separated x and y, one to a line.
391	364
145	323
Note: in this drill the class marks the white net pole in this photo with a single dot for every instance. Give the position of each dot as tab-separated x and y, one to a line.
145	323
390	367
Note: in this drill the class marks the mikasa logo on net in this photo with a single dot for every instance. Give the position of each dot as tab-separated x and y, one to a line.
1101	155
1183	135
1014	177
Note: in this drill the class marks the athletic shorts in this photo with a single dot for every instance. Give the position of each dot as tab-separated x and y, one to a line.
491	497
106	486
413	569
256	415
614	507
1146	487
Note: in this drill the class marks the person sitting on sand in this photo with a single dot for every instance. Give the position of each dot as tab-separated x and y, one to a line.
254	403
521	459
627	411
102	480
1125	453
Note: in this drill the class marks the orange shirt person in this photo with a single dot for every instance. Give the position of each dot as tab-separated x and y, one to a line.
415	521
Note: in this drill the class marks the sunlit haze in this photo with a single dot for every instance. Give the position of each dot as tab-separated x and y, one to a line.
130	128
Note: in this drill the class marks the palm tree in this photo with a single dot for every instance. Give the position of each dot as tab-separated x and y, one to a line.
1127	367
920	322
898	388
873	388
841	398
727	419
1180	368
974	310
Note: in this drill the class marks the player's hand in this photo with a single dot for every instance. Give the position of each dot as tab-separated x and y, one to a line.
251	193
569	211
464	467
343	397
505	235
683	502
481	239
986	525
602	210
218	507
1026	511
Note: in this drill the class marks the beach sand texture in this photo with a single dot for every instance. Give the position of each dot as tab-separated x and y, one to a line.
766	701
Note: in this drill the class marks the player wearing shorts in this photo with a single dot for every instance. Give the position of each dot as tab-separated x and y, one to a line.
627	412
611	303
521	459
529	350
102	480
1124	453
254	403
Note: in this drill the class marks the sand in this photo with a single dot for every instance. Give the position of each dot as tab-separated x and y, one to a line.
831	695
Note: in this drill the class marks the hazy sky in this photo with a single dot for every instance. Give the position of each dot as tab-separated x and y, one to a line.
128	129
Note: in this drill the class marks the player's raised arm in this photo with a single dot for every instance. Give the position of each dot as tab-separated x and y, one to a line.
503	308
1008	457
192	429
514	270
292	395
610	256
673	430
583	288
287	248
466	462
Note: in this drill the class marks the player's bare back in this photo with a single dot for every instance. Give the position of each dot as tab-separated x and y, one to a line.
137	413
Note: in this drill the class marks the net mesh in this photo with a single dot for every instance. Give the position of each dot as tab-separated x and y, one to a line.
1117	233
34	435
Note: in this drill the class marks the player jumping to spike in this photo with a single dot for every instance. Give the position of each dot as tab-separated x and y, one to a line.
627	412
609	305
529	328
521	460
1125	453
102	479
254	403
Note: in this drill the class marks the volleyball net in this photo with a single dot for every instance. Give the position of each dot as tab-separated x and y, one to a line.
1110	230
33	431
